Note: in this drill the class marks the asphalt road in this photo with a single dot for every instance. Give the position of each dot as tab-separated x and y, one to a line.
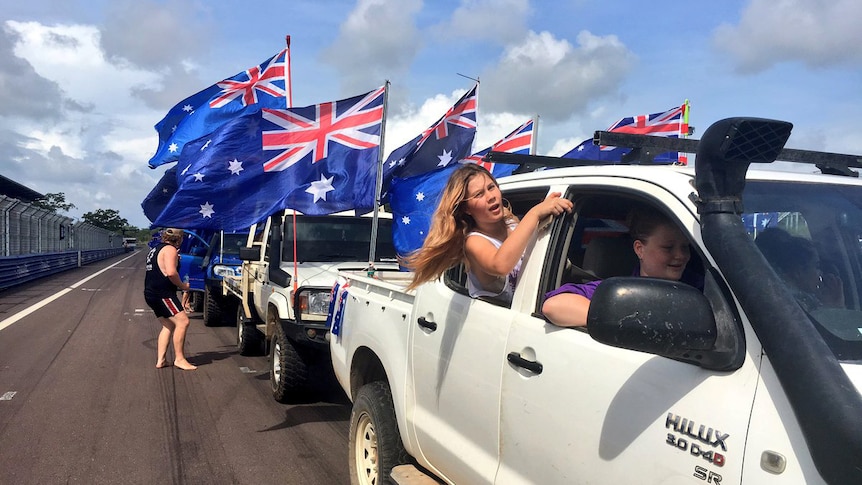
82	402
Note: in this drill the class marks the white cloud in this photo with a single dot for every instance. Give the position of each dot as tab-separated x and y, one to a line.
154	34
96	150
501	21
817	33
378	41
551	77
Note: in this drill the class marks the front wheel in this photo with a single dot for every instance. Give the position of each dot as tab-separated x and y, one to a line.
374	442
249	340
213	314
288	371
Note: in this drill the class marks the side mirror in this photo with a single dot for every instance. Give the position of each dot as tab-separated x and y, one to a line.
249	254
655	316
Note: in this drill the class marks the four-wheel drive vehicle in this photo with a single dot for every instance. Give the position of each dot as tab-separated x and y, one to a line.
733	384
205	258
284	290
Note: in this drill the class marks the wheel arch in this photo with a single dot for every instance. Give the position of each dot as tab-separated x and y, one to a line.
364	368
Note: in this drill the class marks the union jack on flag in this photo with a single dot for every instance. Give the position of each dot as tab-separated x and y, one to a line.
264	86
311	130
264	80
671	123
668	123
230	179
518	141
444	143
462	113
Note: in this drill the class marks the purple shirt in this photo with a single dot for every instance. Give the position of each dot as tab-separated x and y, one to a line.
584	289
587	289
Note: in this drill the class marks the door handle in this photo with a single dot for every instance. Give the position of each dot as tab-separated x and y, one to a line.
532	366
427	324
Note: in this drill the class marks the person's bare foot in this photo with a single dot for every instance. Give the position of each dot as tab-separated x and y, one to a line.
184	365
162	364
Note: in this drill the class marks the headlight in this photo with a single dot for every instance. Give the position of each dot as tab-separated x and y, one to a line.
314	302
222	270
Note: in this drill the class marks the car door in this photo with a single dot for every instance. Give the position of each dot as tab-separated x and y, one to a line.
192	251
456	359
591	413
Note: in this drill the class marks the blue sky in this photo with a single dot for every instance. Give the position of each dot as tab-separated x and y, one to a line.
83	82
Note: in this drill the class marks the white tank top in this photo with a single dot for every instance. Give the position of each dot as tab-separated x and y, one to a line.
504	286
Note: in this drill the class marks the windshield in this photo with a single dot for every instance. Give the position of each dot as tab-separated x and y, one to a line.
232	243
811	234
336	239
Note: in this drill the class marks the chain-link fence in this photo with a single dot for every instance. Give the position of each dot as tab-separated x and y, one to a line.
37	242
29	229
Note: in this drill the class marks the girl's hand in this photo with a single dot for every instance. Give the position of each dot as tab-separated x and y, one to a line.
553	205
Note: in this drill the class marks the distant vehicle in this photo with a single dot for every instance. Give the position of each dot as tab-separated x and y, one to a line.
130	243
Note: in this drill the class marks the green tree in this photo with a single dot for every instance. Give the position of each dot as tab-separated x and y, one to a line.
54	202
106	219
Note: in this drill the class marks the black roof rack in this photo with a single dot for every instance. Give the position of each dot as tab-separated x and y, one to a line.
646	147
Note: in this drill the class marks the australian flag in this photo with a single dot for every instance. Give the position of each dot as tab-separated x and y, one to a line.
518	141
263	86
318	160
442	144
669	123
415	199
154	203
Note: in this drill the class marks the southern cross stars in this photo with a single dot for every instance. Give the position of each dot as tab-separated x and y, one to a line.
320	188
235	167
207	210
445	158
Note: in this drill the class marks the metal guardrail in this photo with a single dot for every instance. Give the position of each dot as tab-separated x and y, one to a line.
16	270
35	242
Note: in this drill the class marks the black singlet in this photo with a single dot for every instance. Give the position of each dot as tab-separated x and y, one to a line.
156	284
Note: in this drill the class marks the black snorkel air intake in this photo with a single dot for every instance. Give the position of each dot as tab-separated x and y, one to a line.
826	404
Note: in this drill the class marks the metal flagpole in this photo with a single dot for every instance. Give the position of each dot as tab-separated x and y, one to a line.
288	84
535	134
379	186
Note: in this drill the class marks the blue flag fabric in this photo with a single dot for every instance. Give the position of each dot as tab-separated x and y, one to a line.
413	202
415	199
318	160
520	140
262	86
668	123
443	143
154	203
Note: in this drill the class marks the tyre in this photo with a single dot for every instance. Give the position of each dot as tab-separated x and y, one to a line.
197	301
249	340
213	314
288	371
374	441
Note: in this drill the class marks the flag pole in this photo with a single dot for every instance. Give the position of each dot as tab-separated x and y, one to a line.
288	78
379	185
683	131
535	134
288	85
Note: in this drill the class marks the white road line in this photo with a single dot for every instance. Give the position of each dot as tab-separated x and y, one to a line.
32	308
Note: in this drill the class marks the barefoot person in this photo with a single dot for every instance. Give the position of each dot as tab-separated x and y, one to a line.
160	291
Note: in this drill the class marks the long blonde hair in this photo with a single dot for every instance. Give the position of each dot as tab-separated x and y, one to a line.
444	245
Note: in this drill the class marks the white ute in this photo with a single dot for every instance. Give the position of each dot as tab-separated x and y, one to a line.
285	288
667	384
